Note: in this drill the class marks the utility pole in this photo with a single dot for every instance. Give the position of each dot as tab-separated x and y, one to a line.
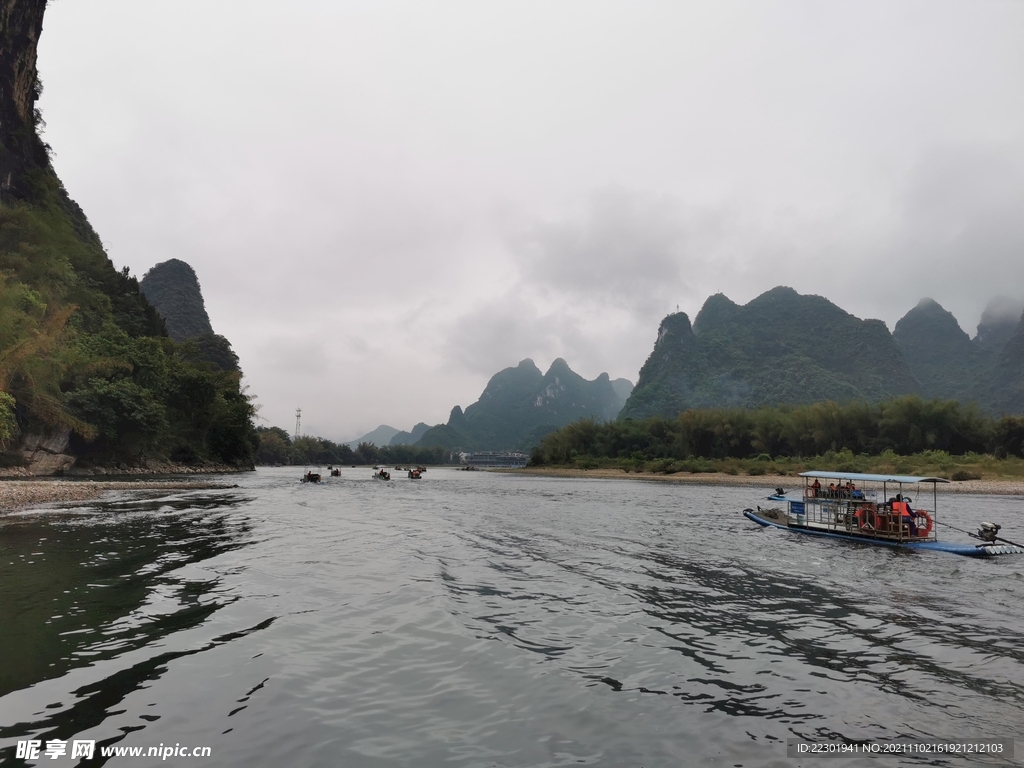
298	422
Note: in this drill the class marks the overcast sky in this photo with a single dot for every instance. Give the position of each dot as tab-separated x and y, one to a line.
388	202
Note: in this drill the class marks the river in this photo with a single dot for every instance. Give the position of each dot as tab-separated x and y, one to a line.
491	619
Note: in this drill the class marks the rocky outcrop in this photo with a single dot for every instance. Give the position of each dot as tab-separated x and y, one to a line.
44	454
173	288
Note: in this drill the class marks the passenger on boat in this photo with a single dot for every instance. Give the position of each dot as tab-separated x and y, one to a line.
907	514
831	490
816	488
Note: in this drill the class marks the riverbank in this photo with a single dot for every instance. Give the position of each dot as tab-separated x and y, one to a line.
147	468
21	494
992	486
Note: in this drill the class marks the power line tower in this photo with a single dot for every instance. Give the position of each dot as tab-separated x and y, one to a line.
298	422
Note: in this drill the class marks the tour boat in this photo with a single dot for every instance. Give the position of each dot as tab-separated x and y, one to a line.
414	474
884	515
382	474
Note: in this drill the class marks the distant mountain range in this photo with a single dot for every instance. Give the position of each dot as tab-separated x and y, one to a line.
520	405
381	436
780	348
788	348
412	437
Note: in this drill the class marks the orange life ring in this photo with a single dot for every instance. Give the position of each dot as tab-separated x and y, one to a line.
923	530
866	519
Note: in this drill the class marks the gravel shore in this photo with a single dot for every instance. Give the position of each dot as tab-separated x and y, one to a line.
19	494
1000	486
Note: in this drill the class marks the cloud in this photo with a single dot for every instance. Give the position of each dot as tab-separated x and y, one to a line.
401	200
623	248
957	233
504	330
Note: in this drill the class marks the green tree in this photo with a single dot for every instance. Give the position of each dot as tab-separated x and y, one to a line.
128	420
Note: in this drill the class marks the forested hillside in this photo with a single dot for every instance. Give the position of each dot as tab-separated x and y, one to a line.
939	352
781	347
520	405
86	368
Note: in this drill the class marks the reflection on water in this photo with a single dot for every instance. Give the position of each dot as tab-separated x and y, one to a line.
81	589
481	619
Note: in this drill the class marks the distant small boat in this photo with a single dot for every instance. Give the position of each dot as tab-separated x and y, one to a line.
469	468
846	511
335	472
382	474
311	477
414	474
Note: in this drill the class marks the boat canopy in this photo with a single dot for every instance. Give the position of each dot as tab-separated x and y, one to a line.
868	478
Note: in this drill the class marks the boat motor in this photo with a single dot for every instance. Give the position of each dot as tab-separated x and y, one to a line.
989	532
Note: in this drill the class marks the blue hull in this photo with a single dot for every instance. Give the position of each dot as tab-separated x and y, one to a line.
968	550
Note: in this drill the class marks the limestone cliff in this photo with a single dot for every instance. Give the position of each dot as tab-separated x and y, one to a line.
21	150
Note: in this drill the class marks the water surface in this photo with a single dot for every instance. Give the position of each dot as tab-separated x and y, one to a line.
484	619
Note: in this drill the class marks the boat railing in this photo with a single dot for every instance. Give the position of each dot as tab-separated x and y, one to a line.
862	516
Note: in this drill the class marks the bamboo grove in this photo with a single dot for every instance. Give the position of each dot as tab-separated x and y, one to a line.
903	426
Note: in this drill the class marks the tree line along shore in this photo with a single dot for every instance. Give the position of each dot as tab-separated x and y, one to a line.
906	435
